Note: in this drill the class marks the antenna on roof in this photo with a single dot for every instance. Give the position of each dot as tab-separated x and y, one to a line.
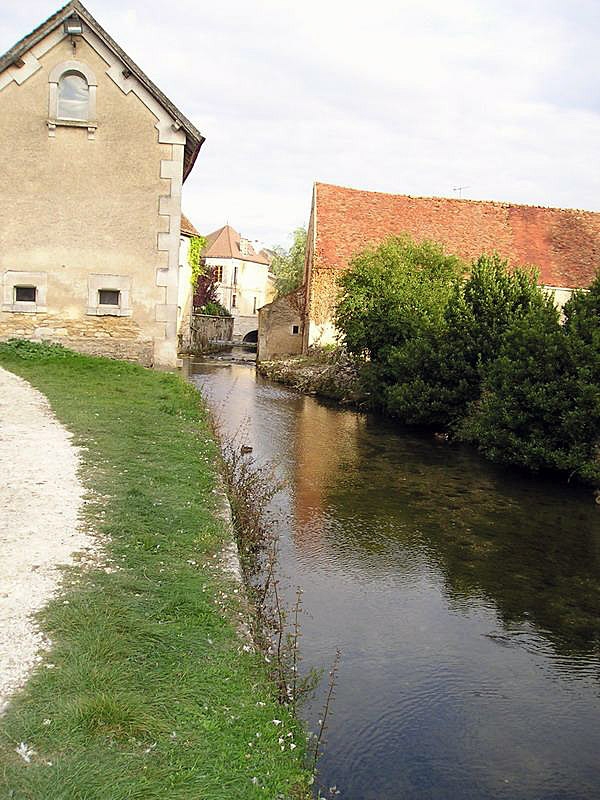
459	189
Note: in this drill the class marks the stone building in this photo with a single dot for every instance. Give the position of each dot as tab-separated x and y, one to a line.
94	157
244	281
564	244
280	326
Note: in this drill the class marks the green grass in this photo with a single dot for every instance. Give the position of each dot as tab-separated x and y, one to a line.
151	695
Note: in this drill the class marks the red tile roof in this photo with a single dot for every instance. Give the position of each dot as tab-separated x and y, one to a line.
563	243
187	229
225	243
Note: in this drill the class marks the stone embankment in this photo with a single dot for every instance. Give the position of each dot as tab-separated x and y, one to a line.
327	373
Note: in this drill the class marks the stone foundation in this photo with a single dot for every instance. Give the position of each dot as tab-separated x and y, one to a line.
113	337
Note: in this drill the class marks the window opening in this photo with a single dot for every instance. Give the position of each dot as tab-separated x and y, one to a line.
109	297
254	308
25	294
73	96
295	330
219	274
233	301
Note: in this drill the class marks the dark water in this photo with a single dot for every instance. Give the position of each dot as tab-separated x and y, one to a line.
465	600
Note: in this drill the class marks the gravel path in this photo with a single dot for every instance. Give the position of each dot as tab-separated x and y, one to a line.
40	501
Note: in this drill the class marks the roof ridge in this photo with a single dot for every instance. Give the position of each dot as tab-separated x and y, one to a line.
464	200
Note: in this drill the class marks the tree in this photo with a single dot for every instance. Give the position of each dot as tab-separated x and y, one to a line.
440	372
205	293
393	293
540	400
288	265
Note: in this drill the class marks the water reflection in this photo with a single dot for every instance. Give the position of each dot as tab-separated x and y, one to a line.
530	547
466	601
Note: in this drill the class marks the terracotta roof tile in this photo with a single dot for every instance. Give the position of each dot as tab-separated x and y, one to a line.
563	243
187	229
225	243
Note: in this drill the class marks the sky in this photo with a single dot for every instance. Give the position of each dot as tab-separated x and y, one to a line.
417	97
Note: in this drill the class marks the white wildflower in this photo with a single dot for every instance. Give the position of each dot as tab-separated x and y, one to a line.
25	752
276	721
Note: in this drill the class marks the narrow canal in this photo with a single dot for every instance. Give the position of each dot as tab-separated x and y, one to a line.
465	600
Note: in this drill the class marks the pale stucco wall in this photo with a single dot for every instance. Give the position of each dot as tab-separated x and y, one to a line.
250	280
184	293
78	203
559	294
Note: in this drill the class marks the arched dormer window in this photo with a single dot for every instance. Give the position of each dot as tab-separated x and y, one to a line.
72	97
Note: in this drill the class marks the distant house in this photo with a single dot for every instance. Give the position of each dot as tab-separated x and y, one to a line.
93	161
563	243
244	281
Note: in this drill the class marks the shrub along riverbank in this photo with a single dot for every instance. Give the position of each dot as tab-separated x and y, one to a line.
151	691
485	358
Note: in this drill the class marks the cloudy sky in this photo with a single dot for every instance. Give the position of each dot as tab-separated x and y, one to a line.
408	96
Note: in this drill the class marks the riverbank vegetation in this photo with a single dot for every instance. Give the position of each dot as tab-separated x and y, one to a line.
328	372
478	352
148	691
288	264
484	357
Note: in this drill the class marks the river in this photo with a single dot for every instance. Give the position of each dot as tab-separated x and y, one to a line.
465	599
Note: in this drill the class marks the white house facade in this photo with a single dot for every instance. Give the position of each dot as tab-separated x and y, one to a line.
243	279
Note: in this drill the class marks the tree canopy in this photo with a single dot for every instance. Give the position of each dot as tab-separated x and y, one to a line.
288	265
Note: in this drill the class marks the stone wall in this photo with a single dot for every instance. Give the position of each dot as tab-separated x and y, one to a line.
114	337
243	325
87	206
206	334
277	322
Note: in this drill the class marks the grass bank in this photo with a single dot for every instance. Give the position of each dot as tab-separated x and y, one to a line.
148	691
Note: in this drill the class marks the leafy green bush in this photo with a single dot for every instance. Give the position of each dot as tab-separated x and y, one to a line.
393	293
213	308
439	372
540	404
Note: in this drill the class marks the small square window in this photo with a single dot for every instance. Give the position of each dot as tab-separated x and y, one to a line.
25	294
295	330
109	297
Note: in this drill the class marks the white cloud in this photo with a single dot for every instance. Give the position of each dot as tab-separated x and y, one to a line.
411	96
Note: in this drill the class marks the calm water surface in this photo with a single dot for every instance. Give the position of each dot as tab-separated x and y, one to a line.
465	600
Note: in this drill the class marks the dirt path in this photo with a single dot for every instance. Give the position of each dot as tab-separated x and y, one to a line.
40	501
